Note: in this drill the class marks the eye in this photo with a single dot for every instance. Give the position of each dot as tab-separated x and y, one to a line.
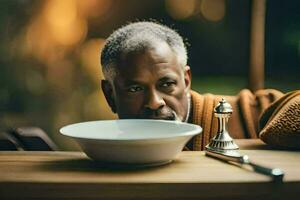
168	84
134	88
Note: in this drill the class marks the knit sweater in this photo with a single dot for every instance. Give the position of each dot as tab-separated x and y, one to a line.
243	123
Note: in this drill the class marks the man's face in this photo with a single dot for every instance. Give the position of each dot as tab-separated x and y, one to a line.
150	85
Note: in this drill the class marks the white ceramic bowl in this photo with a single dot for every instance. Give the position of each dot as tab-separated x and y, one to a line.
132	141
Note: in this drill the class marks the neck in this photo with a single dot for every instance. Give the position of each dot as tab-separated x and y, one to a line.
189	109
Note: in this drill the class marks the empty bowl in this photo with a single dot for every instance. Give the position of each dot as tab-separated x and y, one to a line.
132	141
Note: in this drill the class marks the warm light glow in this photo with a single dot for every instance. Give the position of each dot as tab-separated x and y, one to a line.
90	59
95	106
65	25
39	44
179	9
55	31
60	13
94	8
36	41
213	10
71	34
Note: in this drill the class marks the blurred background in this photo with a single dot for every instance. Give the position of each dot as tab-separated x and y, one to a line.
49	61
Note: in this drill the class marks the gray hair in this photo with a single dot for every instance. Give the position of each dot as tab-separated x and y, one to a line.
136	37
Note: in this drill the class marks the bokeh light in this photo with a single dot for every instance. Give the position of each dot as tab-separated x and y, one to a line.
50	68
65	25
90	54
179	10
67	65
95	9
213	10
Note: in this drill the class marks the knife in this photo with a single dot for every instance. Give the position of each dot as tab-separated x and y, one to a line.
234	156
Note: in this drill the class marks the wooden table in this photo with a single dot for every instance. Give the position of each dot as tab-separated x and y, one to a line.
71	175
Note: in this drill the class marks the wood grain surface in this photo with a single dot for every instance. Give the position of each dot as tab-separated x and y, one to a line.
72	175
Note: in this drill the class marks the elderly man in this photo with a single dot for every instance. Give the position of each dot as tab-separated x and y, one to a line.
147	77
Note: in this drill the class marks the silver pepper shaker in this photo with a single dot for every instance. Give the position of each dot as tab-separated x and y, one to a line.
223	147
222	140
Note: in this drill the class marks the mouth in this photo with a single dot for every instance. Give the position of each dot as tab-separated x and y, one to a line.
160	114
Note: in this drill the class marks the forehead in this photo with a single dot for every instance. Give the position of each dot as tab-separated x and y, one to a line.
159	60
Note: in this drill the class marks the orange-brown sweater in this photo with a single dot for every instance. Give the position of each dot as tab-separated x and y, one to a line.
243	123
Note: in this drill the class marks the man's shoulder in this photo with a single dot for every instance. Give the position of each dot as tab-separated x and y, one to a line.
271	94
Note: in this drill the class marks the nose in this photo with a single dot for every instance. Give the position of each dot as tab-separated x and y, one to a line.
155	100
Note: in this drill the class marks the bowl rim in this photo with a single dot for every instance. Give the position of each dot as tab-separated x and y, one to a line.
197	130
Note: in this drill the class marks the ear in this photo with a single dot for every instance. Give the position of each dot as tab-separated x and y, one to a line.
187	78
109	95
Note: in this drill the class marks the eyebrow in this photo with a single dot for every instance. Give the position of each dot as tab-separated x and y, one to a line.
131	82
166	78
170	77
137	82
